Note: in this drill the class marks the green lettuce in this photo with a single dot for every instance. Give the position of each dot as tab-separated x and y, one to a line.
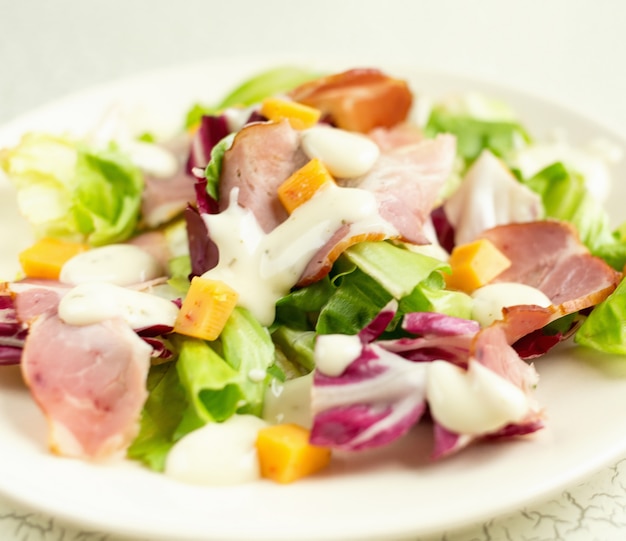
268	83
604	329
161	415
565	197
478	123
363	280
214	167
67	190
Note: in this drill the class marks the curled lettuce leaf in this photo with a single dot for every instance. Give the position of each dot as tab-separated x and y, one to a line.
68	190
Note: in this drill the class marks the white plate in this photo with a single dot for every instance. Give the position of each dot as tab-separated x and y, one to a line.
381	494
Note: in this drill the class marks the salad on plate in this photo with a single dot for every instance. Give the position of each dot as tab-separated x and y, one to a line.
310	267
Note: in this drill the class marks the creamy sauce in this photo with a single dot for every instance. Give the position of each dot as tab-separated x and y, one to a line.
93	302
261	267
475	401
345	154
289	401
335	352
217	453
489	300
121	264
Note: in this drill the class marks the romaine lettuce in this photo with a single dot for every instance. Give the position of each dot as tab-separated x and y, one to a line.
68	190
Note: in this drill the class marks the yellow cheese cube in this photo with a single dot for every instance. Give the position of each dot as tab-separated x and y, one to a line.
206	308
303	184
475	264
299	116
46	257
286	455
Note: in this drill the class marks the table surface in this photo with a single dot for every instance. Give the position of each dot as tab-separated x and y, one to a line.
573	52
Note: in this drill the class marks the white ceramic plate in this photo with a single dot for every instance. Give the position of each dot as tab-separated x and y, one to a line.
380	494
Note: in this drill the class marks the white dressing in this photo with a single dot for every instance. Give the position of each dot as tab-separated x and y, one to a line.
263	267
475	401
217	453
489	300
289	401
345	154
121	264
334	352
92	302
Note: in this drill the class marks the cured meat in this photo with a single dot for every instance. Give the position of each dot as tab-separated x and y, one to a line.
358	100
407	181
89	381
261	158
549	256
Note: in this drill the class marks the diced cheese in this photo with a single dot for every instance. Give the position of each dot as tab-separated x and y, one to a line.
46	257
303	184
286	455
206	308
475	264
299	116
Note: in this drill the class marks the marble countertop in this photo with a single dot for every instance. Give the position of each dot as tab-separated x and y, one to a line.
571	52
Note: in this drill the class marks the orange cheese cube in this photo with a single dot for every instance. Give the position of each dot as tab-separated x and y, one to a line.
46	257
206	308
286	455
303	184
299	116
475	264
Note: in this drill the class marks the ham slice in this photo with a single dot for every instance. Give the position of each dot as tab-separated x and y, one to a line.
263	155
407	180
89	381
548	255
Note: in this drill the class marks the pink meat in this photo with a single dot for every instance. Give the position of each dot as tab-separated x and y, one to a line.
549	256
261	158
407	180
35	297
89	381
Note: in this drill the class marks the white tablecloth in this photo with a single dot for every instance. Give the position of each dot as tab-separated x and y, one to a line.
574	52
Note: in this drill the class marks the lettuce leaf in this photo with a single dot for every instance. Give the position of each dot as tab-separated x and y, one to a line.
364	279
604	329
160	417
251	91
565	197
474	134
70	191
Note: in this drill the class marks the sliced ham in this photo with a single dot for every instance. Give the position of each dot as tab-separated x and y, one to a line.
358	99
407	181
548	255
89	381
263	155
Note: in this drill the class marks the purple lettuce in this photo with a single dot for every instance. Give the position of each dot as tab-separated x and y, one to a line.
382	393
212	130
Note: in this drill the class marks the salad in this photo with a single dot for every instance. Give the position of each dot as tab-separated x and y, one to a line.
308	268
